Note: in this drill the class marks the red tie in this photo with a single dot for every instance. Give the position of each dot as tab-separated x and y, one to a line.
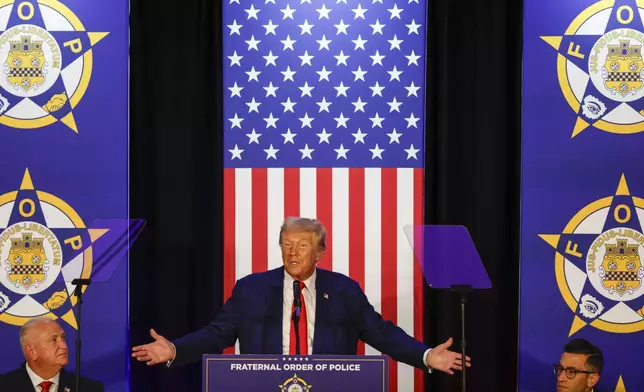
45	385
302	327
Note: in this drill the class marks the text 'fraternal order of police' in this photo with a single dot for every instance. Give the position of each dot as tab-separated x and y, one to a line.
352	367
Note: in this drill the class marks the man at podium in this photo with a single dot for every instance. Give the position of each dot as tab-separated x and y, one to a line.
331	313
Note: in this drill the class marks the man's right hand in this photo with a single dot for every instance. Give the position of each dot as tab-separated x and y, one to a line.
159	351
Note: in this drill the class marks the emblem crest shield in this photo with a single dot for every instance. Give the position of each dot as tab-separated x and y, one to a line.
620	267
27	259
26	60
623	67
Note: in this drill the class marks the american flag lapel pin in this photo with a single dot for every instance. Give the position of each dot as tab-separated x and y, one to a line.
326	296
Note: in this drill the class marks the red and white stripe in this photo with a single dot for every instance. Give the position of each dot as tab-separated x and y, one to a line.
364	211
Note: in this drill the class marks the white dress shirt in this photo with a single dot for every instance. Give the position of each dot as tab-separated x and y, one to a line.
36	380
309	303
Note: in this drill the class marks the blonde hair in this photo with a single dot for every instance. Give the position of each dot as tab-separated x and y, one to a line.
305	224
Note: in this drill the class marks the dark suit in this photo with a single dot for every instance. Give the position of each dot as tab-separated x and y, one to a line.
253	314
18	381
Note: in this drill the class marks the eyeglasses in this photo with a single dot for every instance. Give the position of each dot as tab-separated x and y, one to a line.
571	373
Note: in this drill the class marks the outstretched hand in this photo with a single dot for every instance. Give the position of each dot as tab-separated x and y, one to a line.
159	351
440	358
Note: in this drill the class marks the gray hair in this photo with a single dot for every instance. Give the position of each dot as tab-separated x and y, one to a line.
30	323
305	224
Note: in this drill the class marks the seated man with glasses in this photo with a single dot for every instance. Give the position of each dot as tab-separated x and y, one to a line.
579	368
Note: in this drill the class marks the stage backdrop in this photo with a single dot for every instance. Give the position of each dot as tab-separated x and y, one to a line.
324	118
64	133
582	188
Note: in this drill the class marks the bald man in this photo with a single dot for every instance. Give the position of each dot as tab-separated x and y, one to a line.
44	345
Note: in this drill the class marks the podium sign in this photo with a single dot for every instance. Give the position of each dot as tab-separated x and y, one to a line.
286	373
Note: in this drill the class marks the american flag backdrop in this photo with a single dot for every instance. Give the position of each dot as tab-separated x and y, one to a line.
324	118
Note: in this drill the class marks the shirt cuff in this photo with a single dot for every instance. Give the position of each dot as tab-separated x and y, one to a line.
169	363
429	369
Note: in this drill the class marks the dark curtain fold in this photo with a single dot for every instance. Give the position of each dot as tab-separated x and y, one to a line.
473	143
473	176
175	178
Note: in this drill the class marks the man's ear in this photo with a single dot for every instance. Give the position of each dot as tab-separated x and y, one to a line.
30	351
593	379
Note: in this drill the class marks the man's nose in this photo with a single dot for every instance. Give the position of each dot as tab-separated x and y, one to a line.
62	344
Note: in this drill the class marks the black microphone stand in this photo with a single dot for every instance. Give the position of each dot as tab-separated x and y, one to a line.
462	290
78	292
296	314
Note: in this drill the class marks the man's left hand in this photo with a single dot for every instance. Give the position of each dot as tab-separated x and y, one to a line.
440	358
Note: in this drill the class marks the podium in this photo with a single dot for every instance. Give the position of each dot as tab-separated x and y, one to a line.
322	373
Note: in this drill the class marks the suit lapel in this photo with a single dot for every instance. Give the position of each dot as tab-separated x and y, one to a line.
274	302
322	309
25	381
66	381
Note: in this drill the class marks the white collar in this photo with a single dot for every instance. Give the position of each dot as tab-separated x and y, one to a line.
36	379
309	283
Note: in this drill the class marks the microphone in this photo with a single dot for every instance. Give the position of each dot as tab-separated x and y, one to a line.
297	305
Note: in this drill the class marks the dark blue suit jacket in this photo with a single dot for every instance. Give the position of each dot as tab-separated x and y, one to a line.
18	381
253	314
